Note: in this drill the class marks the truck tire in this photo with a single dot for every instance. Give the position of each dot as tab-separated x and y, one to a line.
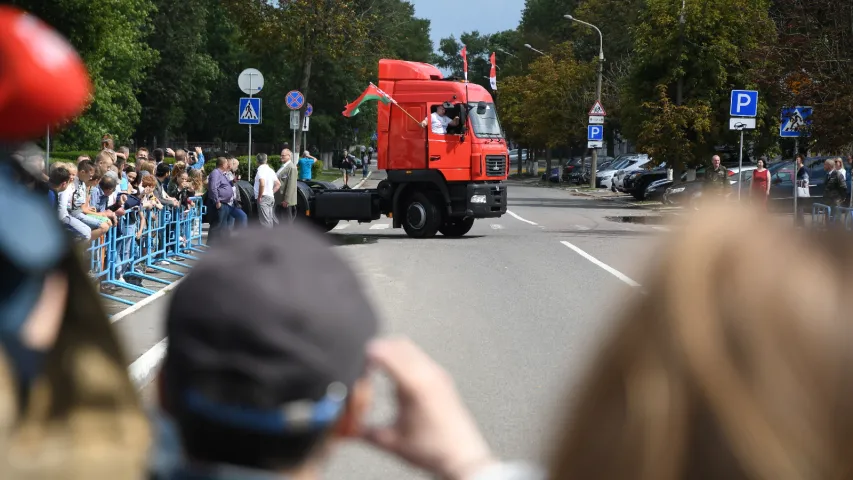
422	217
456	227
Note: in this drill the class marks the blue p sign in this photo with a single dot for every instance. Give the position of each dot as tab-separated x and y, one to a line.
595	133
744	103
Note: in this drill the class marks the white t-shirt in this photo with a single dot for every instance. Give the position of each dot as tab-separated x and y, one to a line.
439	123
266	173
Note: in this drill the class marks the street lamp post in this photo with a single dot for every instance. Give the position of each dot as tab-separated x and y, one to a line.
597	88
540	52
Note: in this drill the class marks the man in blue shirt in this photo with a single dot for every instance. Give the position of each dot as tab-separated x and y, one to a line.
305	165
57	182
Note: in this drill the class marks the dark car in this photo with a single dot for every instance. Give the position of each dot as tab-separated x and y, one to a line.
782	187
571	167
637	182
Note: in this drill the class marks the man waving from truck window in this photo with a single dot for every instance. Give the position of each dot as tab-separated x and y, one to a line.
440	121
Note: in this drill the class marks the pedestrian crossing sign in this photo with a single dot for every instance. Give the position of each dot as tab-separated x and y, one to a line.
795	122
597	110
250	111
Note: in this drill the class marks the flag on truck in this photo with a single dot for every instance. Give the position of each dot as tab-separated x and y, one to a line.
371	93
464	54
493	73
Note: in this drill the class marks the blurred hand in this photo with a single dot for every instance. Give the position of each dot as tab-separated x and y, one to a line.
433	429
197	149
120	212
170	152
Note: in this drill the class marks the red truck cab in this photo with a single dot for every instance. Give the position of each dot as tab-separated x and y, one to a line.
438	182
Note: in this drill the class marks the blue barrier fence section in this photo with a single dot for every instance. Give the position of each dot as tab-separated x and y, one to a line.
824	216
146	241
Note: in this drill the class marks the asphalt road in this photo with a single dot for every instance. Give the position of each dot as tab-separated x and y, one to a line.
513	310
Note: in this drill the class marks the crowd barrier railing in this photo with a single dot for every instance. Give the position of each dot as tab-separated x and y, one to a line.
821	215
146	241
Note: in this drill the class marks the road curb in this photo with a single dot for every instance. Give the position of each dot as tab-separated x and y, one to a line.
359	184
145	301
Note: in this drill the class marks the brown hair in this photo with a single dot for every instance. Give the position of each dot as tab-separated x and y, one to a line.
148	181
712	375
197	180
177	169
146	167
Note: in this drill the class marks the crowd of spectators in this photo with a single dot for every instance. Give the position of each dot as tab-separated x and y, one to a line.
114	191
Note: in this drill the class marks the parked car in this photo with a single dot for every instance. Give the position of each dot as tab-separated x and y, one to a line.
604	178
636	182
658	188
688	193
631	167
581	175
782	187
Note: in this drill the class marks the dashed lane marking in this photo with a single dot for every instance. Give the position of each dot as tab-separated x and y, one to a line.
379	226
519	218
606	267
495	226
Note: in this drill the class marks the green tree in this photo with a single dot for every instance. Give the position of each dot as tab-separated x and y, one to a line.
547	107
809	61
680	50
110	37
180	83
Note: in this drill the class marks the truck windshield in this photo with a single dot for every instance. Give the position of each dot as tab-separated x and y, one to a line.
485	125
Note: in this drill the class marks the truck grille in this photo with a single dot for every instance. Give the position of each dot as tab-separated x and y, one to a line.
495	165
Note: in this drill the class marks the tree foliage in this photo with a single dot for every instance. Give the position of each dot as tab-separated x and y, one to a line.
110	37
168	70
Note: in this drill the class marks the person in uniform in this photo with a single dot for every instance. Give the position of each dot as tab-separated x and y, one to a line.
717	178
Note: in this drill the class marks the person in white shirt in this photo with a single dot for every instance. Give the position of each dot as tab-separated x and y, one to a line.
266	184
440	121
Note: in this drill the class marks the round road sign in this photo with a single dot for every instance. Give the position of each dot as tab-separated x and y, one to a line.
294	99
250	81
309	110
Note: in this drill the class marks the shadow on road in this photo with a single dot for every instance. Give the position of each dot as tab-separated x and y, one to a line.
368	238
570	203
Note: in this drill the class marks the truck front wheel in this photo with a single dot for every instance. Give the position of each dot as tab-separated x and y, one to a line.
422	216
456	227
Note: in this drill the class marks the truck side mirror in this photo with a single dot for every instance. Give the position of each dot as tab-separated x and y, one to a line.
481	108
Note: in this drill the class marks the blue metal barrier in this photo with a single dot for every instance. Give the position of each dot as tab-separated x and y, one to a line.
821	215
145	239
843	218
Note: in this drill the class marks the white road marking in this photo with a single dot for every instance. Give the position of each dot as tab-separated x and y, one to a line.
341	226
495	226
142	369
662	229
608	268
379	226
522	219
582	228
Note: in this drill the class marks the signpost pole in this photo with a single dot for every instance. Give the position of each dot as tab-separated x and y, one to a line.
740	167
250	136
794	177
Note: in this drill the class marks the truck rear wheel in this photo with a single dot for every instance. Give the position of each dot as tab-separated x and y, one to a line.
422	216
456	227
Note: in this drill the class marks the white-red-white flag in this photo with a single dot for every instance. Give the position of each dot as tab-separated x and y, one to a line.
493	73
464	54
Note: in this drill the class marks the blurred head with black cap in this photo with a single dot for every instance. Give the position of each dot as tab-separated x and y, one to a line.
53	330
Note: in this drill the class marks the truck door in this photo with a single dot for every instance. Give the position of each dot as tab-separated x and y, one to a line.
447	152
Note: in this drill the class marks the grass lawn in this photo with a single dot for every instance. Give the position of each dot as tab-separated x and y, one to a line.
328	175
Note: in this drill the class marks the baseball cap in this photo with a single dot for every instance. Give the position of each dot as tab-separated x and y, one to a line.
267	333
43	82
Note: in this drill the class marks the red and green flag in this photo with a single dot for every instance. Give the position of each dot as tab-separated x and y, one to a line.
371	93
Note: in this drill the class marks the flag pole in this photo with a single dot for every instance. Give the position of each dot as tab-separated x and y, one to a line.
401	108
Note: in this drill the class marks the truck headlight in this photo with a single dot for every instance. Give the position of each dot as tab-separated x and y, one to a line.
478	199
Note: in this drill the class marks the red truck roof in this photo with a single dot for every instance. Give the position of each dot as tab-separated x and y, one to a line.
403	70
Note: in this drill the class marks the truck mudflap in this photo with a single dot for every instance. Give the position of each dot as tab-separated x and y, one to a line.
486	200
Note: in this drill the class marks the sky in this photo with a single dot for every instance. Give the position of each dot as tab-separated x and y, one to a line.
458	16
